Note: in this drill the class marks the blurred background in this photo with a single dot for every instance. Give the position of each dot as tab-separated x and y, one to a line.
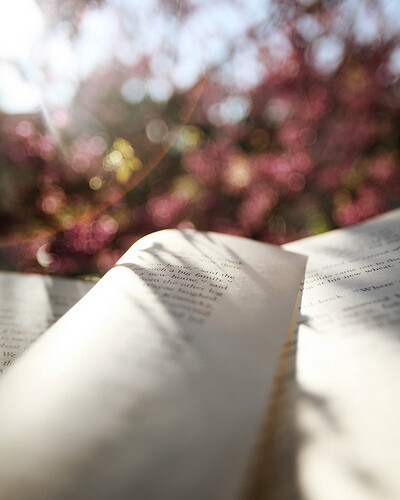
273	120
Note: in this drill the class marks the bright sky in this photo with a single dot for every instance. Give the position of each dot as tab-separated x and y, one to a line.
32	59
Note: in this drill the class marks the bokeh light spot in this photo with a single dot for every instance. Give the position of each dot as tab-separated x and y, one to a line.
327	54
189	138
238	174
133	90
277	111
43	256
50	204
95	183
156	130
122	160
124	147
113	160
24	128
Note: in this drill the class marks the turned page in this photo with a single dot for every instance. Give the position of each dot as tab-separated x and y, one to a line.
29	304
155	385
348	363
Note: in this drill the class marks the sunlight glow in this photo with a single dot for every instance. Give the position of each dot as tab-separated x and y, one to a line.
21	24
21	27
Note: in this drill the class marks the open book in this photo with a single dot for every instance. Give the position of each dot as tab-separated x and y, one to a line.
156	384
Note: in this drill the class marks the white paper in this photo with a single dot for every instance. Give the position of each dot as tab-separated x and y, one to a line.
348	364
151	387
29	304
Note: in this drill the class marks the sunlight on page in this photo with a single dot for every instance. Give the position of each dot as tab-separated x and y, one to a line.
348	363
156	383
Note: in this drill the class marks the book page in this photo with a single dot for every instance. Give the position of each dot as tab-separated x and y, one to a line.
348	364
155	385
29	304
